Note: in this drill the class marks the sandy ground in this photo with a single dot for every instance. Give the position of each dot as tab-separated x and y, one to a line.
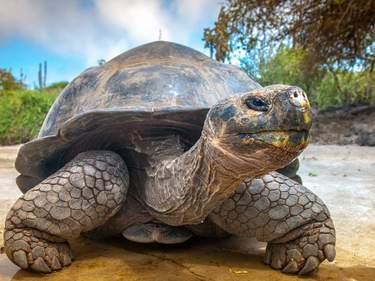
343	176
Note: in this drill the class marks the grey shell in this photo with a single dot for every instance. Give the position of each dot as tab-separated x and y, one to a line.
157	88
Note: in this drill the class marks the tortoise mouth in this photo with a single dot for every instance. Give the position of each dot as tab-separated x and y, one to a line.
285	139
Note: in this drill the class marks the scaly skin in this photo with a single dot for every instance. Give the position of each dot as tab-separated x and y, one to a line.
79	197
294	221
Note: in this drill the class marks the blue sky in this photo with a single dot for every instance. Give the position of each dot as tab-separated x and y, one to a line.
72	35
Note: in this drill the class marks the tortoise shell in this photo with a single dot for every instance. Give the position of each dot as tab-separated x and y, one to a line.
155	89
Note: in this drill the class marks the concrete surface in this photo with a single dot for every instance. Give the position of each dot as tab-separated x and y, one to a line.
343	176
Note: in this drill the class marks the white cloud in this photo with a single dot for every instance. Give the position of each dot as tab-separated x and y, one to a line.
61	26
141	20
193	11
104	28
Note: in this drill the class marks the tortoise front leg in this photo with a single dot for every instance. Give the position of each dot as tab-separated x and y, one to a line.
79	197
295	222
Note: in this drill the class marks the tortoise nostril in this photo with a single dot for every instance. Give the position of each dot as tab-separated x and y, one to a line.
299	99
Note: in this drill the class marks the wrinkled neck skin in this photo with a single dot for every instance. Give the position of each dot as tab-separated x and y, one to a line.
184	190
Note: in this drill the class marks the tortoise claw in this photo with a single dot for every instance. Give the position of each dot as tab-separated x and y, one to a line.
40	265
311	265
31	252
304	254
291	267
329	252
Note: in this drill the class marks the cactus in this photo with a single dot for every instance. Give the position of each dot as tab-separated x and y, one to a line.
23	77
42	75
45	75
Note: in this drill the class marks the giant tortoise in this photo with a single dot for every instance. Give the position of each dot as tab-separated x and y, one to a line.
162	143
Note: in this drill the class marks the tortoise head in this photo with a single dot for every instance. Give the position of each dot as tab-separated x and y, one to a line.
267	127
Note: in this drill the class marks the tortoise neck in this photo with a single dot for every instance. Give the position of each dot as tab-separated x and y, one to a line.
159	149
186	189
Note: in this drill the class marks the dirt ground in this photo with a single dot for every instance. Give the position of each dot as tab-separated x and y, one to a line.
345	125
343	176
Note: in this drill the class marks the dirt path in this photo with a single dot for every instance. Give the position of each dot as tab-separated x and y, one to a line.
343	176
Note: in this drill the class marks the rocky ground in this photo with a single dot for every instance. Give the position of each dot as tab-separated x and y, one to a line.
343	176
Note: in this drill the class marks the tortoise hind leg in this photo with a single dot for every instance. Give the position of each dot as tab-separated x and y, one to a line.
79	197
157	233
294	221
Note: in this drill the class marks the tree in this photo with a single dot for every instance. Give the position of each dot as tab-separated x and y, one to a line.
339	33
9	82
288	67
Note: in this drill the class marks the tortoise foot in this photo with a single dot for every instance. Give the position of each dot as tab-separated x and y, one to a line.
28	250
304	254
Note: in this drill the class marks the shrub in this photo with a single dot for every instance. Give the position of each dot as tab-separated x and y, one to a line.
346	88
21	114
55	87
325	88
9	82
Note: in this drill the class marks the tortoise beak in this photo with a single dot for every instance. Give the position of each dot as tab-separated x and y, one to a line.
288	122
292	140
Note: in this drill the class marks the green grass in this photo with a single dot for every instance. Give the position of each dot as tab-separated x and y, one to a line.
22	113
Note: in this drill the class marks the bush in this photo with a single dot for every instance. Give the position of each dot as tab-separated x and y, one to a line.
346	89
21	114
9	82
55	87
324	88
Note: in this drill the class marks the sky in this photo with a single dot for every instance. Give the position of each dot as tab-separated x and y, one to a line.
72	35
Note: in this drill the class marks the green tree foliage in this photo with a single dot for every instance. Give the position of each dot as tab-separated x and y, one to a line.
9	82
326	47
289	66
340	32
324	88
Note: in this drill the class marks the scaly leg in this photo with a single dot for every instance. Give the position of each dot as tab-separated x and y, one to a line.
79	197
294	221
291	170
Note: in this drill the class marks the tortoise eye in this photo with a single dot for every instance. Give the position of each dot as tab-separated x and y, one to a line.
257	104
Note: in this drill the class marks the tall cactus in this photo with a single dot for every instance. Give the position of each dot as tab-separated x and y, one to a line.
40	84
45	74
42	75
